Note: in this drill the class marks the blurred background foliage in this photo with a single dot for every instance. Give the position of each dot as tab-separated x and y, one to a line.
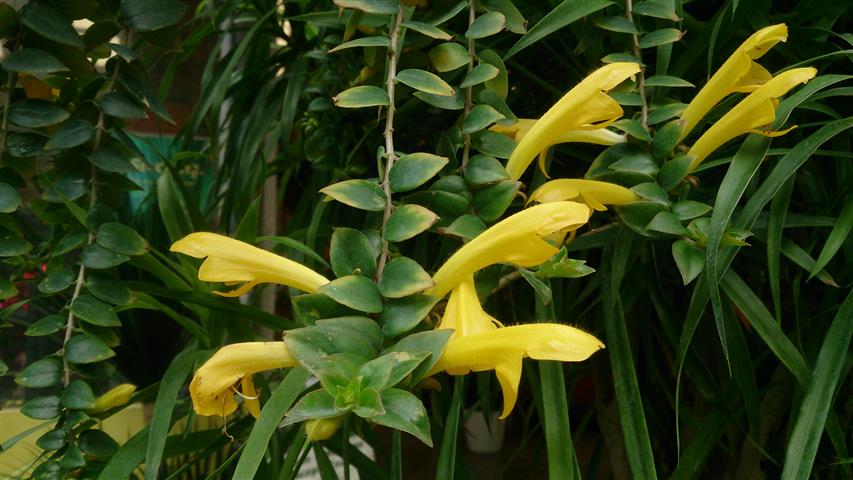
98	178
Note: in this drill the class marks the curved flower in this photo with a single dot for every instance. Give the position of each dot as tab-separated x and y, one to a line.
115	397
517	240
738	74
213	386
479	345
758	109
230	260
584	107
591	192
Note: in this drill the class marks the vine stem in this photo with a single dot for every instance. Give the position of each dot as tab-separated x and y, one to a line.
466	149
390	83
10	83
641	78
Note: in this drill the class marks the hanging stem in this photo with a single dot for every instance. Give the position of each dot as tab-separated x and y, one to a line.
641	78
10	85
466	150
389	136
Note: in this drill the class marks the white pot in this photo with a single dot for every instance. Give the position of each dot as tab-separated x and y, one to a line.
481	438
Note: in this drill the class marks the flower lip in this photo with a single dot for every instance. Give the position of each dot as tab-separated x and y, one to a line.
594	193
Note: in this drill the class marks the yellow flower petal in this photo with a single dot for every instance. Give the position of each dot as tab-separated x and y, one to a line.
515	240
464	314
230	260
738	74
114	398
592	192
212	384
322	428
503	349
756	110
250	396
584	107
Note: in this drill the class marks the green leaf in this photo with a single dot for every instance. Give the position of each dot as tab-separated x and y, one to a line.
65	188
117	104
515	22
56	281
542	289
480	117
481	73
368	404
484	170
666	222
667	81
432	341
36	113
314	405
498	85
486	25
377	41
10	200
7	288
456	102
362	96
50	24
656	9
561	266
108	289
673	172
97	443
32	61
689	260
25	144
425	82
492	201
466	227
71	134
362	194
428	30
73	458
634	128
8	20
624	98
97	257
86	349
309	308
561	16
147	15
334	370
121	239
46	326
111	160
407	221
403	411
493	143
351	253
660	37
837	237
403	314
356	292
41	373
616	24
12	245
402	277
387	7
70	241
413	170
52	440
42	408
448	56
78	395
271	415
94	311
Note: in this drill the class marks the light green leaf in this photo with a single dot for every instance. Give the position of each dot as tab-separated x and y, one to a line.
86	349
356	292
362	96
480	117
402	277
425	82
408	221
413	170
428	30
480	74
362	194
667	81
660	37
486	25
448	56
377	41
10	199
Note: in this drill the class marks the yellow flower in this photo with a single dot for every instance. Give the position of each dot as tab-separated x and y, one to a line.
230	260
758	109
213	386
591	192
738	74
479	345
114	398
322	428
516	240
585	107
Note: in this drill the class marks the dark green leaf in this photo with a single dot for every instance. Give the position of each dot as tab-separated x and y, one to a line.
98	215
407	221
666	222
362	96
98	257
52	440
425	82
562	15
363	194
356	292
46	326
108	289
673	171
78	396
484	170
542	289
73	458
455	102
8	20
94	311
655	9
50	24
498	85
561	266
634	128
56	281
371	6
413	170
402	277
448	56
36	113
667	81
12	245
403	411
111	160
481	73
837	237
86	349
97	443
368	403
119	105
32	61
147	15
492	201
314	405
616	24
465	227
351	253
69	135
42	408
689	209
660	37
493	143
480	117
7	288
486	25
25	144
41	373
403	314
121	239
689	260
69	242
10	200
432	341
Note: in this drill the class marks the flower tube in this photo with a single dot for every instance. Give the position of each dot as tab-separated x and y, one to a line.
594	193
230	260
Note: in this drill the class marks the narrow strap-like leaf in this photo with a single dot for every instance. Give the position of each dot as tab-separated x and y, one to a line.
447	452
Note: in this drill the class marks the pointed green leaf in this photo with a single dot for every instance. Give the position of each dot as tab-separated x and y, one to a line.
42	408
97	443
71	134
147	15
492	201
50	24
484	170
119	105
403	314
689	209
448	56
425	82
428	30
402	277
486	25
97	257
111	160
94	311
660	37
666	222
616	24
413	170
32	61
493	143
86	349
57	281
362	194
41	373
689	260
403	411
12	245
78	396
481	73
10	199
388	370
362	96
314	405
408	221
108	289
121	239
36	113
480	117
466	227
667	81
377	41
455	102
356	292
656	9
387	7
351	253
46	326
562	15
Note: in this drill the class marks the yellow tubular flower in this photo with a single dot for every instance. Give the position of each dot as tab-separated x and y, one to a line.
585	107
114	398
758	109
464	314
213	386
591	192
230	260
322	428
503	349
738	74
516	240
